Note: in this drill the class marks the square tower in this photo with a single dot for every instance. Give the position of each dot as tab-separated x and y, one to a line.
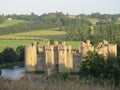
62	49
49	56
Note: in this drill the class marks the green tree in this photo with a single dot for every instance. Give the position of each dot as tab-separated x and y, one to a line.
2	18
20	53
9	55
1	58
93	65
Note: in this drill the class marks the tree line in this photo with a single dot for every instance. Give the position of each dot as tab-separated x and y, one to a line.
9	55
58	19
108	31
2	18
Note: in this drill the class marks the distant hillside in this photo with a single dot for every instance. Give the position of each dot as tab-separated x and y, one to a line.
77	27
93	20
52	33
11	22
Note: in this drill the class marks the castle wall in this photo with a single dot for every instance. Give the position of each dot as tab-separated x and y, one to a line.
30	58
49	56
85	47
76	62
40	62
69	60
103	51
105	48
60	57
56	54
112	49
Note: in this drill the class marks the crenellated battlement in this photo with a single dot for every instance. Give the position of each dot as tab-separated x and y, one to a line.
85	47
60	56
105	47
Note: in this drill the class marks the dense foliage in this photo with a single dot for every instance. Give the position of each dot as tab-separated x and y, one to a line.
20	53
108	31
95	66
9	55
106	17
35	22
2	18
107	27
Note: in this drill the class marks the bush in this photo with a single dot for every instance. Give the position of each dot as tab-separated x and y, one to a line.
52	42
20	53
64	76
95	66
1	58
9	55
2	18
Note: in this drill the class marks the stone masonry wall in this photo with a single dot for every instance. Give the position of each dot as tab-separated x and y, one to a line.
60	57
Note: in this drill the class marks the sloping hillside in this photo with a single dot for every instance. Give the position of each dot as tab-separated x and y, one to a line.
11	22
38	34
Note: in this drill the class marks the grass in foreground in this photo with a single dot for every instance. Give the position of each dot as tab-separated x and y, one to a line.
53	84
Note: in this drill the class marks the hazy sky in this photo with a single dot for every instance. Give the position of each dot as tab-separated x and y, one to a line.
66	6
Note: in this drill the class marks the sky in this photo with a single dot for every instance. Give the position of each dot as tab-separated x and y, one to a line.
73	7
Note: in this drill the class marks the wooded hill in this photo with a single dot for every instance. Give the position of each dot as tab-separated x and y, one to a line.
95	26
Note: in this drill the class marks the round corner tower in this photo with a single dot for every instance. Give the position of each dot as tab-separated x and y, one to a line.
30	58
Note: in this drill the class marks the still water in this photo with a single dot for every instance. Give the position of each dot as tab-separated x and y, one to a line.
14	73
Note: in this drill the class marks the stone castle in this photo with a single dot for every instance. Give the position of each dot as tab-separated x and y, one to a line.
61	57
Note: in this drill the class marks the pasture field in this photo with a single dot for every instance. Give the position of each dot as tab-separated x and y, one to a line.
118	22
25	38
93	20
11	22
16	43
38	34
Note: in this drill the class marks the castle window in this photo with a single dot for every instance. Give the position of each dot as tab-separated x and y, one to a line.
67	50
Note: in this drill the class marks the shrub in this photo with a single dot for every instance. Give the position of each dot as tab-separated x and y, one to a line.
9	55
20	53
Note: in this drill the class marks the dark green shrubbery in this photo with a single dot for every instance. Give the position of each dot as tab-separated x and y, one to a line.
95	66
9	55
92	65
20	53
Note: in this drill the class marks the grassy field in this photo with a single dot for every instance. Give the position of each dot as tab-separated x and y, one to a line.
37	34
10	22
93	20
118	22
15	43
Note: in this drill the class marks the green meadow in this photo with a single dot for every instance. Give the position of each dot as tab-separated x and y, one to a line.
16	43
26	38
11	22
93	20
38	34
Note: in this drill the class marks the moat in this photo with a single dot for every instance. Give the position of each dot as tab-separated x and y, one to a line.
14	73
